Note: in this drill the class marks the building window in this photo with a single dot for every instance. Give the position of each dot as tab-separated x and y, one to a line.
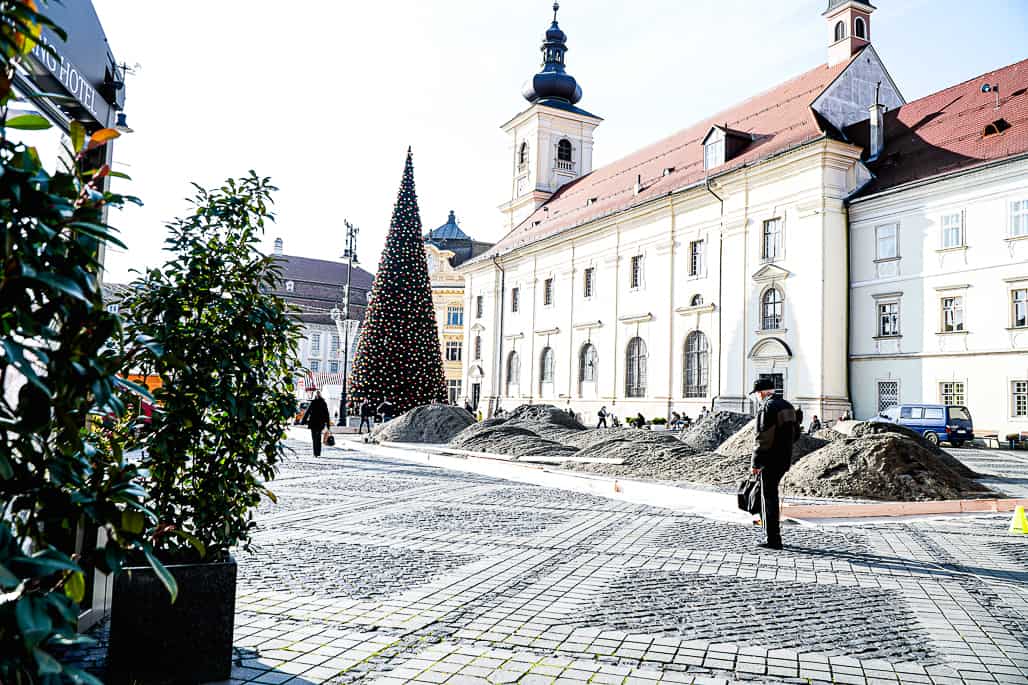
777	380
840	31
315	365
771	247
564	150
333	345
113	308
513	371
548	292
772	305
479	306
887	250
953	314
888	319
315	343
455	315
546	365
589	284
888	395
515	300
860	28
1019	399
635	368
454	350
523	155
636	275
290	286
953	230
587	363
714	151
697	365
333	367
696	258
696	301
1019	308
478	347
951	393
1019	218
453	390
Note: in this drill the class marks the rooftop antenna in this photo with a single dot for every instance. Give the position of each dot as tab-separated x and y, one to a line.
994	88
556	6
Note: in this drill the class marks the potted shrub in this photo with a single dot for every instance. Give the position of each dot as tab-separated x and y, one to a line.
658	424
224	403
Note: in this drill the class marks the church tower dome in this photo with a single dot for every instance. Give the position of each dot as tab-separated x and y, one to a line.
553	82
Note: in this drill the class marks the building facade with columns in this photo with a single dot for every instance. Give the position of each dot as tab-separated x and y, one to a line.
673	278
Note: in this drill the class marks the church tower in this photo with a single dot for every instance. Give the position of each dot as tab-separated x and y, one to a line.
551	142
849	28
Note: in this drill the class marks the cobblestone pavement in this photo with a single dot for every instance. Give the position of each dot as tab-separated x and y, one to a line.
380	571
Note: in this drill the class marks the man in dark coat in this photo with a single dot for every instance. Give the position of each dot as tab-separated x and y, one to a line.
367	416
776	431
386	409
317	419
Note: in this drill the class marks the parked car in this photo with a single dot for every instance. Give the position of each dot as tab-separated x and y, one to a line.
935	422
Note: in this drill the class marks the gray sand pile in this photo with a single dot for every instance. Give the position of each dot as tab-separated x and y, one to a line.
546	421
713	429
474	429
869	428
740	445
828	434
433	423
882	466
510	441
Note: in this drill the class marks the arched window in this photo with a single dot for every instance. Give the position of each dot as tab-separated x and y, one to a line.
772	304
513	372
523	154
696	301
860	28
478	347
587	361
635	368
697	365
564	150
840	31
546	365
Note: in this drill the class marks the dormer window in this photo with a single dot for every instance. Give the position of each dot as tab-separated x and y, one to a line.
996	127
840	31
722	144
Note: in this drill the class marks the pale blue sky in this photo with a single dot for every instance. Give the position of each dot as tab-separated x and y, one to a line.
326	99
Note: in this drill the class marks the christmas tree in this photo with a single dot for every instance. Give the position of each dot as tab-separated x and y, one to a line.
398	354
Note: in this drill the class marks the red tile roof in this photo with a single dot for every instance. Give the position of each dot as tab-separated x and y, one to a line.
778	119
944	132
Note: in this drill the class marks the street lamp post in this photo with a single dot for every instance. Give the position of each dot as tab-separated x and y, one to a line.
350	255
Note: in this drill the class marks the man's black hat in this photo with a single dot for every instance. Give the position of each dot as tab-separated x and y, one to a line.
762	384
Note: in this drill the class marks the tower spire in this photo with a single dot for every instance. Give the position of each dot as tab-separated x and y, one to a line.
553	82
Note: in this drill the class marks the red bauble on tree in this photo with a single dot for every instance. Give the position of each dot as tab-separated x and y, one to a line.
398	355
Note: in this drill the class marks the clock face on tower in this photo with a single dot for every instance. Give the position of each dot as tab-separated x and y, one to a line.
522	186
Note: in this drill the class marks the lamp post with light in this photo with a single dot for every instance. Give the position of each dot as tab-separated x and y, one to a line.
350	255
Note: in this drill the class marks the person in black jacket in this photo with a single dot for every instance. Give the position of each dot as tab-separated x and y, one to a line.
367	412
317	419
776	431
386	409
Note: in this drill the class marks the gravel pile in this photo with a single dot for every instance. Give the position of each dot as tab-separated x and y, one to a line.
881	466
740	445
433	423
828	434
510	441
866	428
474	429
708	433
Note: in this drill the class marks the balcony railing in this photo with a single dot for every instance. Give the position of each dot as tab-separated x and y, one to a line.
565	165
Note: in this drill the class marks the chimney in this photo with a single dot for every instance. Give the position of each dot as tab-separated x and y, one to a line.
876	139
278	246
638	184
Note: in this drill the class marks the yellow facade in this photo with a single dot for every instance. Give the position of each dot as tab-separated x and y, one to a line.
448	300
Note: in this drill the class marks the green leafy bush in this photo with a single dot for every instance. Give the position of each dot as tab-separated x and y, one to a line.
230	353
59	354
659	421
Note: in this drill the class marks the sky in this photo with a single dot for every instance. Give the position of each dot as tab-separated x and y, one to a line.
325	96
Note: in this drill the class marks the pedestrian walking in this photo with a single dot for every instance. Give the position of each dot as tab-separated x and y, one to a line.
317	419
386	410
468	407
776	430
603	414
815	425
367	416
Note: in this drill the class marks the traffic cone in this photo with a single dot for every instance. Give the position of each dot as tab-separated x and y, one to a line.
1019	524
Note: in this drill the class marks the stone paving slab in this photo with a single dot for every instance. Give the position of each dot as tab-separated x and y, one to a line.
374	569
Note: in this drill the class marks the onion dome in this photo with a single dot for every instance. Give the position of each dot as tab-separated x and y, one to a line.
552	82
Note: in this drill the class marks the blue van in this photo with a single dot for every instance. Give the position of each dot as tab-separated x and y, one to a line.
936	422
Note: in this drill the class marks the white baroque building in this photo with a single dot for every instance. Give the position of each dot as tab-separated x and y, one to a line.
737	248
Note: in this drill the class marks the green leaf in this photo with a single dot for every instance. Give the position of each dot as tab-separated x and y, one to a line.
162	573
80	677
78	136
192	540
46	663
7	579
62	283
29	122
49	561
75	587
33	622
133	522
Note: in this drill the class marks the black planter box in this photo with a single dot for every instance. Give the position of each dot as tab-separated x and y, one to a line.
153	641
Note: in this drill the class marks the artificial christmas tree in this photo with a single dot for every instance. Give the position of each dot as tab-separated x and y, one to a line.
398	354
